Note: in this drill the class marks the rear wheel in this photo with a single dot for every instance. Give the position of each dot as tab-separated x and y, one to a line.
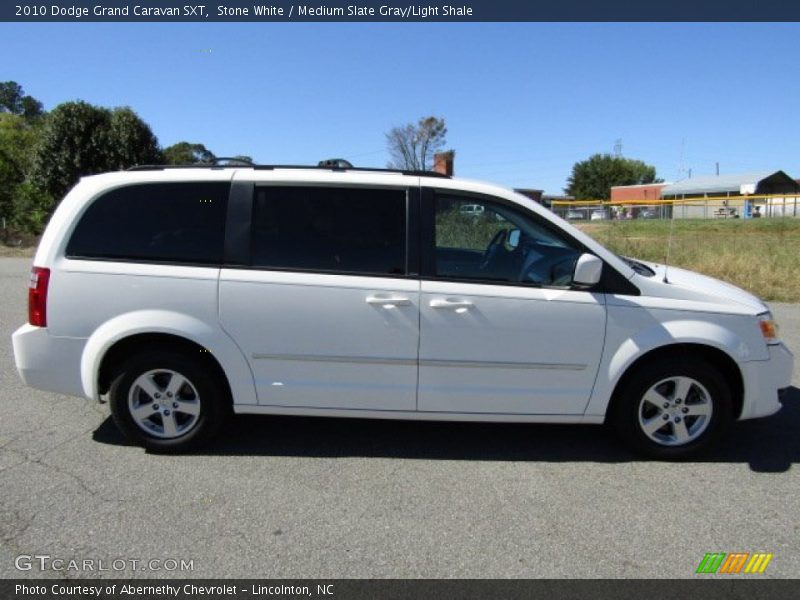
166	402
673	409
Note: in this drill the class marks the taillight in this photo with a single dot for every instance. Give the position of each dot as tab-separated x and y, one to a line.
37	296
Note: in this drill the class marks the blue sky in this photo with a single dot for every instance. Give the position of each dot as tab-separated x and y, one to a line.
522	101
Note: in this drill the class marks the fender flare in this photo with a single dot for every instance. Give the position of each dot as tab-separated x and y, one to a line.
662	335
219	344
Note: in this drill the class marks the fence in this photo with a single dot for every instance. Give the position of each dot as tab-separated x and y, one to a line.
711	207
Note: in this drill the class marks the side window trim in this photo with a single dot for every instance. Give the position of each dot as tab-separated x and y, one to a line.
427	234
413	207
238	225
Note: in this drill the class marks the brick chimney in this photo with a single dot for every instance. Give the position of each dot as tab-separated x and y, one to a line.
443	162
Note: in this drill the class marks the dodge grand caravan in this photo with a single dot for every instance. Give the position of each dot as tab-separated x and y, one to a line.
183	294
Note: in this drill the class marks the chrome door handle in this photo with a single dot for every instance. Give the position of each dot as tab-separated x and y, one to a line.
447	303
388	301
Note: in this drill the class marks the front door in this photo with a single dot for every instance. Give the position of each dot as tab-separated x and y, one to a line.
502	330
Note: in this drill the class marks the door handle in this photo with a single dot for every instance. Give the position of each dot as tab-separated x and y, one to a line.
448	303
388	301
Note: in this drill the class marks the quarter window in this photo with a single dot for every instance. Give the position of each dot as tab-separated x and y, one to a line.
165	222
486	240
336	229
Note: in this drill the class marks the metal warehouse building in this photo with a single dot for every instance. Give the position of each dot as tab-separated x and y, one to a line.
735	195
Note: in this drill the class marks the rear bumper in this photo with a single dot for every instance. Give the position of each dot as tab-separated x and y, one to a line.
48	363
764	380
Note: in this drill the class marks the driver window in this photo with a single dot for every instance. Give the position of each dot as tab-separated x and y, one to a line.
480	239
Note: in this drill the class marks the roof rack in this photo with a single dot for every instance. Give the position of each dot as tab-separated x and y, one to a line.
328	165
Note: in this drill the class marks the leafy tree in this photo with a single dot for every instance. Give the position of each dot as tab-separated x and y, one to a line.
9	179
412	146
14	100
132	140
80	139
32	208
17	140
187	153
592	178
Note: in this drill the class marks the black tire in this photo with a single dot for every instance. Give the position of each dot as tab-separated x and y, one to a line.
630	413
203	393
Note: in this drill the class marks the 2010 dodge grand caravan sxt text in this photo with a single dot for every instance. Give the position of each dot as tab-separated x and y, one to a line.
184	294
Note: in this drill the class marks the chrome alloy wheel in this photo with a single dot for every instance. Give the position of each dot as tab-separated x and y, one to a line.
164	403
675	411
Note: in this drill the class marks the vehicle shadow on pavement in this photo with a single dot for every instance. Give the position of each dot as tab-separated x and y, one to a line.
770	445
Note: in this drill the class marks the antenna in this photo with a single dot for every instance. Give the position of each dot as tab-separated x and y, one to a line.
669	240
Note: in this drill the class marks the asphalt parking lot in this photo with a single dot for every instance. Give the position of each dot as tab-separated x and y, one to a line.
298	497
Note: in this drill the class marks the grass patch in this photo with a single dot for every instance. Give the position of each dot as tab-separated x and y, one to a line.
21	252
759	255
456	230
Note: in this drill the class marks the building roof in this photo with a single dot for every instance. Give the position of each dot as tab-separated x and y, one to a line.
639	185
740	183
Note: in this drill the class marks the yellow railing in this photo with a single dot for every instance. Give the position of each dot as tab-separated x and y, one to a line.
756	205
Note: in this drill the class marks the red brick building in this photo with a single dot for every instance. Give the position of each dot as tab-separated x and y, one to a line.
645	191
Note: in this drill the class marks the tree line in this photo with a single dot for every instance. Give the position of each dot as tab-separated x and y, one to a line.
43	154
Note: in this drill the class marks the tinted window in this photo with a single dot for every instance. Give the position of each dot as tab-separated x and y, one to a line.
169	222
491	241
349	230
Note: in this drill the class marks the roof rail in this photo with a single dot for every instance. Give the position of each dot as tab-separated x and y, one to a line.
320	167
233	161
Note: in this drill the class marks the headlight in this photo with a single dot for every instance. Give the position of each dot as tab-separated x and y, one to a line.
769	328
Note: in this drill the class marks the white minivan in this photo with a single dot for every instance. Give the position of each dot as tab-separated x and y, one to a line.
182	294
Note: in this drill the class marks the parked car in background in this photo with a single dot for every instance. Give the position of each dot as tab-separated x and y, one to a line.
648	213
182	294
599	214
574	215
472	210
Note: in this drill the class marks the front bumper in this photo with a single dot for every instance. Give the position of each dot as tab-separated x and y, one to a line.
48	363
764	380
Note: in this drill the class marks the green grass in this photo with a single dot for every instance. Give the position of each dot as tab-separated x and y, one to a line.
759	255
456	230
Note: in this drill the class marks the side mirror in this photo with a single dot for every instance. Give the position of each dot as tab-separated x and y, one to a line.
513	238
588	270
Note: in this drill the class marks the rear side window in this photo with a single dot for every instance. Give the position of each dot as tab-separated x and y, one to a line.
165	222
336	229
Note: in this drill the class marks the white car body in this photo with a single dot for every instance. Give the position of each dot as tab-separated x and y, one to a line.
299	343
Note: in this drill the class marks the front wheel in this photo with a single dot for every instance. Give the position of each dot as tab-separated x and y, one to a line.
166	402
673	409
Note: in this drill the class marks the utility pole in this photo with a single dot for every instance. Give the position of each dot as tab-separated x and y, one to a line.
717	168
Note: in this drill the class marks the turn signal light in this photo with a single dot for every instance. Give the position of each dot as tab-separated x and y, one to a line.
769	329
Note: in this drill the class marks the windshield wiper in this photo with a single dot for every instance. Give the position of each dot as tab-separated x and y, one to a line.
640	268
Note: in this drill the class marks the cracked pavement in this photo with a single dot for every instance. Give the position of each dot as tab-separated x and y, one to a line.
291	497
